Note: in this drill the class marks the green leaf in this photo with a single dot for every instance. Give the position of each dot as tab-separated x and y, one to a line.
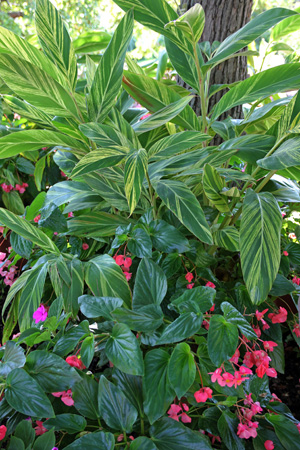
144	443
198	299
167	238
99	159
260	243
28	111
145	319
116	410
108	77
85	394
12	201
93	307
30	140
249	32
123	350
140	243
158	392
25	432
68	341
227	426
16	444
150	285
286	155
21	246
108	137
87	350
222	339
134	174
106	279
182	369
70	423
13	358
45	442
213	184
96	224
191	23
91	41
232	315
25	395
286	431
183	327
55	40
183	203
168	434
285	27
51	371
227	238
36	87
176	143
260	85
281	286
95	441
33	210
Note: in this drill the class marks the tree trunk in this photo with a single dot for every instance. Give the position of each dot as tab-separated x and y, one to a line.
222	18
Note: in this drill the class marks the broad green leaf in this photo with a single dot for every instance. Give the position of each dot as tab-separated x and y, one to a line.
31	295
145	319
70	423
87	350
13	358
106	136
144	443
227	238
249	32
140	243
251	147
260	243
176	143
284	190
260	85
222	339
123	350
286	155
27	231
132	387
91	41
281	286
110	188
213	184
232	315
155	95
93	307
106	279
28	111
21	246
99	159
183	203
150	285
167	238
134	174
45	441
116	410
25	432
191	23
182	369
286	431
36	87
25	395
51	371
30	140
285	27
168	434
85	394
108	76
55	40
95	441
227	426
183	327
70	339
13	202
158	392
198	299
65	191
16	444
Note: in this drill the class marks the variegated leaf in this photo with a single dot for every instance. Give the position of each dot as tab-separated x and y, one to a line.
134	174
111	190
55	40
183	203
260	243
28	111
36	87
108	76
213	184
99	159
29	140
96	224
176	143
227	238
287	155
105	135
191	23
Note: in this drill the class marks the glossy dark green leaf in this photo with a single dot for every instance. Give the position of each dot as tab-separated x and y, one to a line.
250	147
87	350
85	394
123	350
227	425
167	238
114	407
21	246
286	431
95	441
140	243
286	155
13	358
144	443
25	432
132	388
96	224
185	326
70	423
145	319
281	286
25	395
45	442
232	315
150	285
222	339
93	307
200	298
158	392
182	369
68	341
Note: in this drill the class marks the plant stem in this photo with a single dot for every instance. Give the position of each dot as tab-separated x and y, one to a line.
201	89
142	427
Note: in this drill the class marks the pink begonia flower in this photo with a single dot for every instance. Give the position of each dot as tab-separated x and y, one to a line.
247	431
269	445
70	214
127	275
37	218
145	116
296	329
190	286
275	398
283	214
256	408
2	256
257	330
185	418
6	187
119	260
185	406
3	431
216	374
85	246
285	253
210	284
227	379
260	315
278	317
296	280
63	174
67	399
269	345
248	400
55	448
203	394
174	411
189	276
40	429
235	357
40	315
245	371
74	361
266	326
127	263
1	229
20	188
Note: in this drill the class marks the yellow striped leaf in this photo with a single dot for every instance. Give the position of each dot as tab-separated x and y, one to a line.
260	243
28	111
183	203
104	135
55	40
134	174
191	23
213	184
108	76
227	238
176	143
287	155
99	159
96	224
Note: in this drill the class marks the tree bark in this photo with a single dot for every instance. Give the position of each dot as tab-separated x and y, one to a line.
222	18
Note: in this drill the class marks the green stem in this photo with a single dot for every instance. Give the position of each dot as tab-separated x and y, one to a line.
142	427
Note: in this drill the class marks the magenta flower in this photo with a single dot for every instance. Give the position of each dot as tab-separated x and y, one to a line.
40	315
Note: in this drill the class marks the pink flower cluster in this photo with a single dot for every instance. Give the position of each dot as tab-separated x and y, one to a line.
247	428
278	317
227	379
18	187
203	394
189	277
296	280
261	360
9	274
176	411
125	264
296	329
65	396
